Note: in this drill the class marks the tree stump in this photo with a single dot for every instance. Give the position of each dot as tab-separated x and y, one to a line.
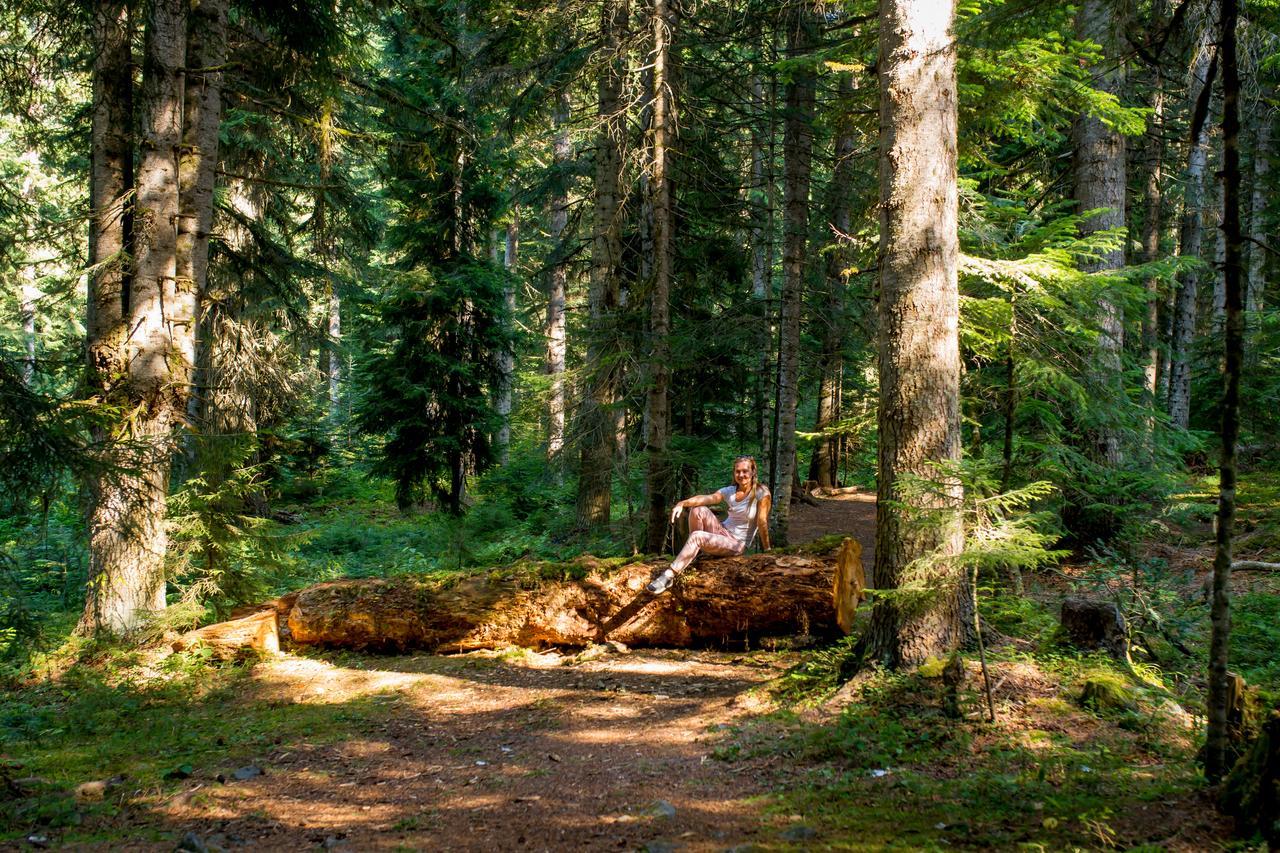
1091	624
1251	793
850	583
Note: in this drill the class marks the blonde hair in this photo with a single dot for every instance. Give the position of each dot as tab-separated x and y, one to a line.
755	479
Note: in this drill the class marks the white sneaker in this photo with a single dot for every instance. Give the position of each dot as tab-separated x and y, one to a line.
662	582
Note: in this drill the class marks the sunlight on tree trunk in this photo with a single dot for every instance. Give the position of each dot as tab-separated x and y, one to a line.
919	354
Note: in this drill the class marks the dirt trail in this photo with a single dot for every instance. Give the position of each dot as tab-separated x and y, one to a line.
492	751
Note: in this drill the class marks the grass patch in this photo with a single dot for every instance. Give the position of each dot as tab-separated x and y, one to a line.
151	729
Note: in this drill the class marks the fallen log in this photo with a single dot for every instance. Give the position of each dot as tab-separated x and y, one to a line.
723	601
718	602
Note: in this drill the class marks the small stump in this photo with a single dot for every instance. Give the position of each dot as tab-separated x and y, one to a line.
1252	791
1091	624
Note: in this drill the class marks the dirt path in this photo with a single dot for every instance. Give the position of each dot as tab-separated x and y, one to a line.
502	752
493	751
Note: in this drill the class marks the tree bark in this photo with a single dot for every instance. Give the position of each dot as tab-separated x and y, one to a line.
127	539
762	196
197	174
558	280
919	351
1152	201
1100	185
1189	235
1255	286
727	602
658	481
797	156
111	181
599	438
824	465
507	358
1220	635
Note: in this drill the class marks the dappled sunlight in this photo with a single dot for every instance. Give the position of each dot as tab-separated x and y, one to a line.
302	679
460	747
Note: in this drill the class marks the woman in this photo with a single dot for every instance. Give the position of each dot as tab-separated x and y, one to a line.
748	504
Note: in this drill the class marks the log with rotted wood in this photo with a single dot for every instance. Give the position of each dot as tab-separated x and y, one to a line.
718	602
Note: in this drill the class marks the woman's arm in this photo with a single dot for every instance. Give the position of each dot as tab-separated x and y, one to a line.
697	500
762	520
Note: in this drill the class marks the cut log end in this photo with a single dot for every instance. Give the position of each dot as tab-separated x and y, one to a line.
259	631
849	588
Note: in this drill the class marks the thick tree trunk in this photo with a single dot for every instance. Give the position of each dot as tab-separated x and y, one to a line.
127	539
658	481
826	450
599	438
507	358
1220	637
919	351
557	285
1189	234
797	156
1100	185
725	602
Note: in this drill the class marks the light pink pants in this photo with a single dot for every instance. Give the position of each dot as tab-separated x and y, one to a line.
706	533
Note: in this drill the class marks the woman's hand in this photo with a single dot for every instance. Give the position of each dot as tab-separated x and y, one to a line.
676	510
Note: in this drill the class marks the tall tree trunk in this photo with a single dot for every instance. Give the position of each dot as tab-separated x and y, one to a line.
1189	234
826	450
127	539
197	173
919	349
797	168
331	359
761	195
1100	184
558	280
658	481
1220	637
1152	201
111	181
507	358
1214	231
599	438
1255	283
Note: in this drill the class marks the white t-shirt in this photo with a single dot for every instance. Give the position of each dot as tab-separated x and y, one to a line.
741	522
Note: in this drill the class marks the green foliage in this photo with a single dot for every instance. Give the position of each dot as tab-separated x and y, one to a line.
221	554
1026	304
1004	533
428	386
1255	636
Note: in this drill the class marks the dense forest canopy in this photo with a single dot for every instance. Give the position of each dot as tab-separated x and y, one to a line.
298	291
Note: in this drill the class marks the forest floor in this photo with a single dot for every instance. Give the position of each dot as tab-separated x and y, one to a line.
606	749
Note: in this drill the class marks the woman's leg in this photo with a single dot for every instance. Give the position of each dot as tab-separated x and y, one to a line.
705	534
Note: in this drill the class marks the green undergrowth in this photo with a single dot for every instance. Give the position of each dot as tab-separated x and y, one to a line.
149	730
1086	753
